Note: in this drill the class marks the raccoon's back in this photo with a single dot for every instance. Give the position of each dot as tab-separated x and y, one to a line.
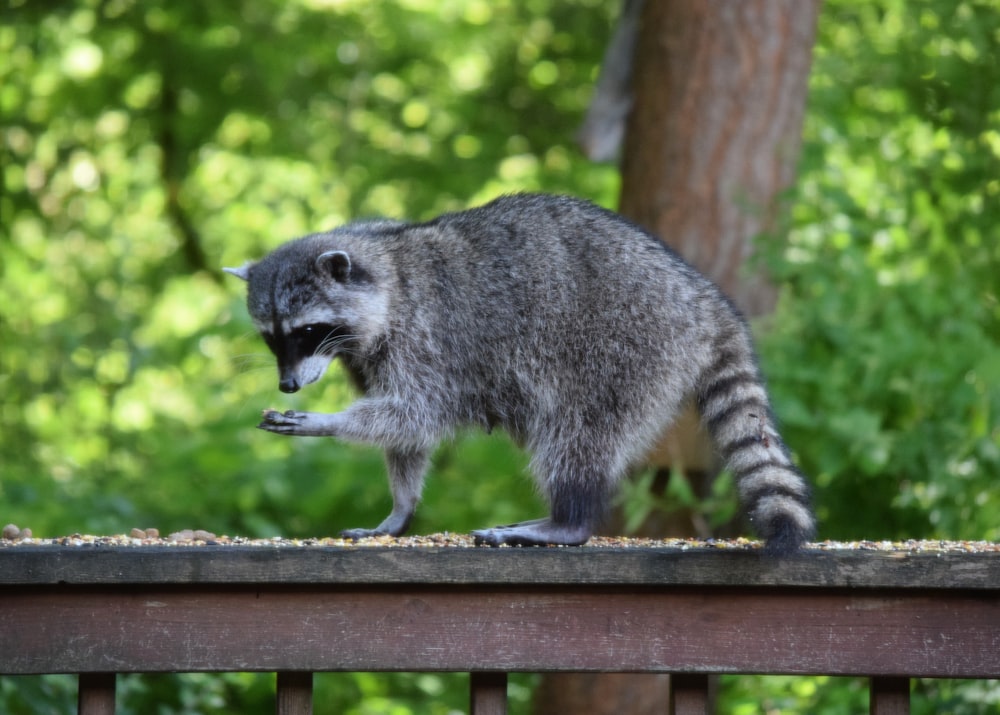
550	303
562	255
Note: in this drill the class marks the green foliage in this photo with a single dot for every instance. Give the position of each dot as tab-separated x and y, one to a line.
977	697
749	695
885	353
145	145
823	695
642	496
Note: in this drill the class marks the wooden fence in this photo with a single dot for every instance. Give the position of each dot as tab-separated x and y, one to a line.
891	615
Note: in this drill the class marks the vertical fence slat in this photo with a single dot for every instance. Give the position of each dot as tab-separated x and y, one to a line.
96	694
488	693
688	694
889	696
294	693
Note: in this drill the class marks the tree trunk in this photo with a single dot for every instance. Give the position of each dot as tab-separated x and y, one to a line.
712	141
714	133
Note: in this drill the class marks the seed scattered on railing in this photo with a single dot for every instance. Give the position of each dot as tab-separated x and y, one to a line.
12	532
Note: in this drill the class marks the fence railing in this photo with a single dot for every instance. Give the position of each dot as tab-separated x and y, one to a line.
888	614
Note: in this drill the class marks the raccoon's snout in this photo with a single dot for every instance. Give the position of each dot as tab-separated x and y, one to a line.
293	378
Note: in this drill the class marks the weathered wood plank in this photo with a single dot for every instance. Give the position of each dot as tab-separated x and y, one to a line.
96	695
488	693
692	629
94	565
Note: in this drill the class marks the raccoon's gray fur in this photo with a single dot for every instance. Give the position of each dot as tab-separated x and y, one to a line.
561	322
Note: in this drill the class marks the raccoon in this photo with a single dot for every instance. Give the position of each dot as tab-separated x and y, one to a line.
574	330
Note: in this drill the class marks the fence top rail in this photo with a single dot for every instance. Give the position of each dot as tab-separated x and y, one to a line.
453	561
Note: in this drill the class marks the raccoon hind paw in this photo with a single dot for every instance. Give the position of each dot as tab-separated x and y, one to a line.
540	532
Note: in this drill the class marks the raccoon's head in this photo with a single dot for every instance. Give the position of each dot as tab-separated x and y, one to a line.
311	305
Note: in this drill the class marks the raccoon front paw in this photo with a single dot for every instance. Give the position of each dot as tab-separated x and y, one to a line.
291	422
281	422
304	424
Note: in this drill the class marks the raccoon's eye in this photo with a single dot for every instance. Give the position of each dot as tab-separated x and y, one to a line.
310	337
316	329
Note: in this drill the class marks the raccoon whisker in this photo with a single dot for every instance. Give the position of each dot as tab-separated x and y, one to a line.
259	368
336	339
252	356
346	351
333	352
331	345
255	360
328	350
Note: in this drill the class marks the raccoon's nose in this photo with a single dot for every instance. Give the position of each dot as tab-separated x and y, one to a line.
289	384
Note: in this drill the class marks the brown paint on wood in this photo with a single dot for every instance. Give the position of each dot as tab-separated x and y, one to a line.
294	693
889	696
488	693
689	694
385	566
96	694
704	630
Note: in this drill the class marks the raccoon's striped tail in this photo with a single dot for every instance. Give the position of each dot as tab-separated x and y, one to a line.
736	411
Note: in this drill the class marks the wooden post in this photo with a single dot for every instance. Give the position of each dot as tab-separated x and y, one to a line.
688	694
294	696
889	696
96	695
488	693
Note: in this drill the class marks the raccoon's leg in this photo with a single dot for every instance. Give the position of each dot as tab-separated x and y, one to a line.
577	490
406	479
384	421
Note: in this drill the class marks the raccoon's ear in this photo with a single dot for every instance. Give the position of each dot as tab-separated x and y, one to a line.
335	264
241	272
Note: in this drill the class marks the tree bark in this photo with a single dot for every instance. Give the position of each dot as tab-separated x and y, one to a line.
711	144
713	137
601	694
